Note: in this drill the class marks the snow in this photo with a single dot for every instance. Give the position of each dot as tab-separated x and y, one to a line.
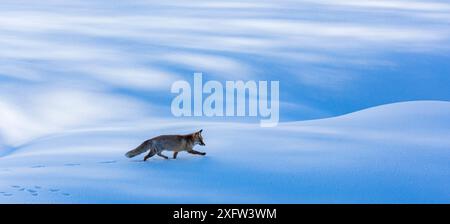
396	153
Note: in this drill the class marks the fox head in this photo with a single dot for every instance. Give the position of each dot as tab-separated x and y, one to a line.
198	139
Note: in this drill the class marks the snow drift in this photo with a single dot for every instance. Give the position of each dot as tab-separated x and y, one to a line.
397	153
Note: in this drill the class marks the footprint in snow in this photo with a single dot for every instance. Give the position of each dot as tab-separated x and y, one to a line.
31	191
38	166
108	162
54	190
7	194
65	194
72	164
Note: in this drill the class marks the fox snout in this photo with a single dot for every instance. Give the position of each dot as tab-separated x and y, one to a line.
202	143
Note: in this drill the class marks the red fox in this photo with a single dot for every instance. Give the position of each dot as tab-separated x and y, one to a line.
174	143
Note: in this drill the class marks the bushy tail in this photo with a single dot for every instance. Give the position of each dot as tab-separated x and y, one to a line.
145	146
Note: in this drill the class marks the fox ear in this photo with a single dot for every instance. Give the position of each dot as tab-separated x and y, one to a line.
200	131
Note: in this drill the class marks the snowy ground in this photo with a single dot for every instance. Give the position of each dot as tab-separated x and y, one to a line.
398	153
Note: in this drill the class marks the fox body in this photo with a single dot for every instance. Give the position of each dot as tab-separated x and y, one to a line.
174	143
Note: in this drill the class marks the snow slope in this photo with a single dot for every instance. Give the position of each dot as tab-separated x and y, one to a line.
397	153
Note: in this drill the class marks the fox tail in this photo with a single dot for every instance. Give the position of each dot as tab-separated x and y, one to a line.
144	147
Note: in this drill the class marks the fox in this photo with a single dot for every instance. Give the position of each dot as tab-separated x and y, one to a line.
174	143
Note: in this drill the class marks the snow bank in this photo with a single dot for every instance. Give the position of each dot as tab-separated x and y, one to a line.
397	153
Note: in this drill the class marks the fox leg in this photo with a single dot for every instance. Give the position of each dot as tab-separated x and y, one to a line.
163	156
149	155
196	152
175	154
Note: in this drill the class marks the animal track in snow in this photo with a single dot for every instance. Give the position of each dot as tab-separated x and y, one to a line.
34	191
7	194
108	162
38	166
